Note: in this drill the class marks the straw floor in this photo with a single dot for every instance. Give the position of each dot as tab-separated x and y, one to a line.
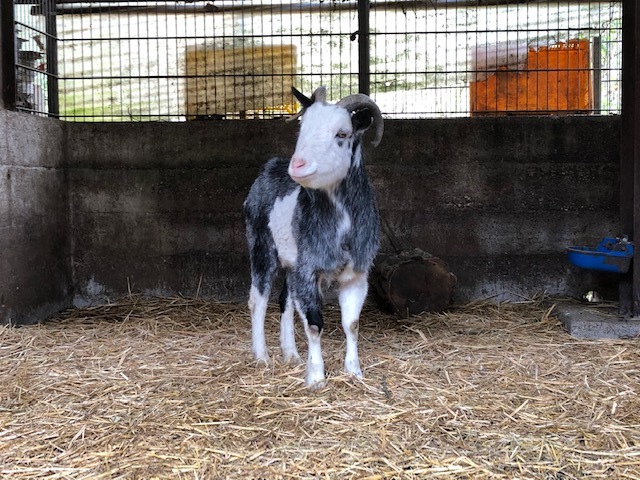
165	388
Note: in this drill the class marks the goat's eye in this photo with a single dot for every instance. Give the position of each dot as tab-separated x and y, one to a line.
342	134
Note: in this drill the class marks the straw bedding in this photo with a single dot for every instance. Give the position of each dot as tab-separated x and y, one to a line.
166	388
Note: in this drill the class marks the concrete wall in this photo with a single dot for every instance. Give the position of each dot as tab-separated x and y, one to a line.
500	198
35	274
156	207
89	212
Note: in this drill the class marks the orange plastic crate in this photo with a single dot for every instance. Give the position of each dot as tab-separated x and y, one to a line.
556	80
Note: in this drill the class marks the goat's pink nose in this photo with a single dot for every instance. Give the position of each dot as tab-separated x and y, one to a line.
297	163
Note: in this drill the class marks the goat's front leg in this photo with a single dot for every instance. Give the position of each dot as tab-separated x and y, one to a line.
353	293
315	363
308	302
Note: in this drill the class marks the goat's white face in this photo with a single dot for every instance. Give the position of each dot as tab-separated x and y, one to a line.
323	152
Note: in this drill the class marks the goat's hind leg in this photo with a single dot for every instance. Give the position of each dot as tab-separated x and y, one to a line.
287	331
263	268
258	306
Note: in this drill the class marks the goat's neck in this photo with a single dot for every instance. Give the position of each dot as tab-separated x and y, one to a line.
340	192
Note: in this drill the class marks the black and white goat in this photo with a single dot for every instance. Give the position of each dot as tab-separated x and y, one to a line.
314	216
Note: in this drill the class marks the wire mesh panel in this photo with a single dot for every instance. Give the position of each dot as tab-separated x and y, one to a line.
35	56
114	60
456	58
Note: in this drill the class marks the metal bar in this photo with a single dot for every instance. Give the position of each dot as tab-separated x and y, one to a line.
597	73
256	75
7	55
49	10
389	3
186	6
31	28
635	140
191	37
35	70
285	35
364	79
629	286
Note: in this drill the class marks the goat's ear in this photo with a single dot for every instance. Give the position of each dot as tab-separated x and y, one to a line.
361	120
320	95
304	101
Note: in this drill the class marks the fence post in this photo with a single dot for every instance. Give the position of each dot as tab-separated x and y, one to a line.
629	285
7	56
363	47
49	12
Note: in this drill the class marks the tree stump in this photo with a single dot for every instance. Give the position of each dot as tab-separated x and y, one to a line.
411	283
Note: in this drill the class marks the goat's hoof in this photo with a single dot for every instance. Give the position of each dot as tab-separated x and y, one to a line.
354	371
316	385
262	359
315	379
292	358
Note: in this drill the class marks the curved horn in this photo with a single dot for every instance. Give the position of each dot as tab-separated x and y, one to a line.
361	101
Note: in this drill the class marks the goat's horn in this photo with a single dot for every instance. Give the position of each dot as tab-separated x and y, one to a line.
360	101
319	95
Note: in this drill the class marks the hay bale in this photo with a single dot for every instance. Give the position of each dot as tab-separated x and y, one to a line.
248	78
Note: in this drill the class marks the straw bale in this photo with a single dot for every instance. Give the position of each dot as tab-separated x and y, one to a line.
166	388
224	80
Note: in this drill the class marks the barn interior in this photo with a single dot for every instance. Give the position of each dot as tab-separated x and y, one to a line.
101	218
96	209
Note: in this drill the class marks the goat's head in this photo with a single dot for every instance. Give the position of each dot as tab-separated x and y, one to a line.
325	148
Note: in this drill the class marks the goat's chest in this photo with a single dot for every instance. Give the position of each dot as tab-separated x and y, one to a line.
318	233
283	228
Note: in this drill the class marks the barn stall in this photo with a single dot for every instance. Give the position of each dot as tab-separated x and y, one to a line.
166	388
161	385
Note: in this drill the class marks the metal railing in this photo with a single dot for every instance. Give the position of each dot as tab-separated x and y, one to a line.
158	60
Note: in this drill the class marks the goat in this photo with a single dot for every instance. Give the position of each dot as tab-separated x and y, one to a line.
314	216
